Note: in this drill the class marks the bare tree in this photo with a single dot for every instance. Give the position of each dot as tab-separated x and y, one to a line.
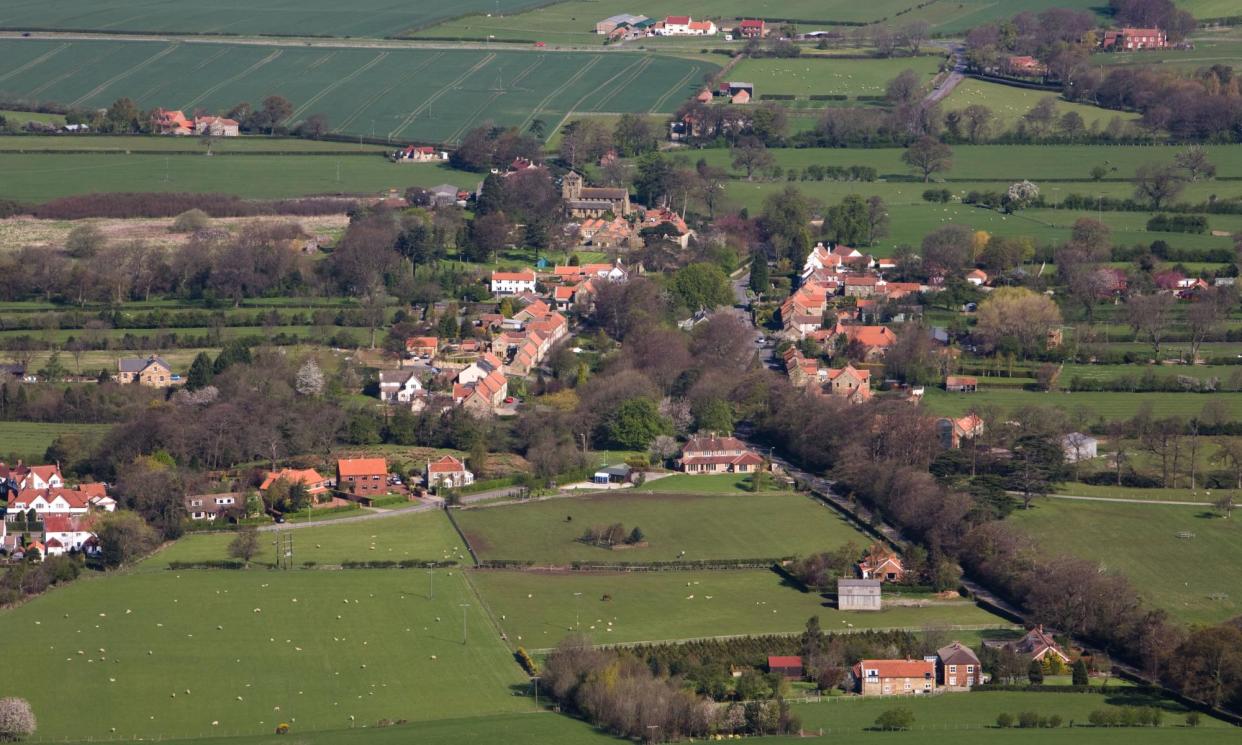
927	155
914	35
1149	316
1194	161
1157	184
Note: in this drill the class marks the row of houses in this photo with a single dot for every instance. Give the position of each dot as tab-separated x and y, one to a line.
628	26
57	519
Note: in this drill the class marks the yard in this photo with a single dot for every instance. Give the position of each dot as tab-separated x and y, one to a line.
1161	548
690	527
537	609
216	653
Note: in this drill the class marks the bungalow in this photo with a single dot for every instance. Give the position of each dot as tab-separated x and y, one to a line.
216	126
399	386
308	477
957	666
618	474
711	454
211	506
512	283
788	667
448	472
895	677
952	431
961	384
152	371
362	478
1036	645
977	277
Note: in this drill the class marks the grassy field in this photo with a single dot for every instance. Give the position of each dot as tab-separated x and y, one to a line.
179	145
30	440
167	654
979	710
1141	541
423	535
537	609
691	527
804	77
21	118
269	17
1087	406
1009	104
420	94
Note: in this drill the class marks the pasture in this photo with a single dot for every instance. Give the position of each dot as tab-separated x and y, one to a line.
1087	407
537	609
30	440
374	18
808	76
676	526
1009	104
168	654
138	144
421	535
1142	542
425	95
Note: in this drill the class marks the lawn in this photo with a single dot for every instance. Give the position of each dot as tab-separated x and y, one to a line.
686	526
691	484
1009	104
429	95
979	709
1141	541
537	609
30	440
805	77
419	535
266	17
167	654
1086	407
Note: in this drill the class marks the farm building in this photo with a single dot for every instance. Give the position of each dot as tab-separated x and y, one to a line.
859	594
216	126
952	431
610	24
618	474
787	666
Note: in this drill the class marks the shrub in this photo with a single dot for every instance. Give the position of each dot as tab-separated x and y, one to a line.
1028	720
190	221
1193	719
1004	720
17	721
1052	722
892	720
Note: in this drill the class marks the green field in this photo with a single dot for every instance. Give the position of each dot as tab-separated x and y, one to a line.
979	709
806	76
1009	104
423	535
20	118
376	18
254	649
1141	541
30	440
137	144
537	609
403	94
676	526
1086	406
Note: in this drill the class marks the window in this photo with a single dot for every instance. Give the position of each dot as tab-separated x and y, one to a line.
970	668
196	503
952	668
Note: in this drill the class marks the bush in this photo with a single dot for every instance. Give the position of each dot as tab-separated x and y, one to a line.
1004	720
1028	720
1193	718
190	221
893	720
1052	722
17	720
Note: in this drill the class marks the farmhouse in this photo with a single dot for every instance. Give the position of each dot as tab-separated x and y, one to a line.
788	667
752	29
1134	39
957	666
583	201
859	594
712	454
152	371
895	677
513	283
212	506
362	478
166	122
215	126
961	384
684	26
448	472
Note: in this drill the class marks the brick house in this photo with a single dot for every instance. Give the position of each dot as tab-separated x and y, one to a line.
422	346
957	666
308	477
711	454
895	677
1134	39
752	29
883	565
362	478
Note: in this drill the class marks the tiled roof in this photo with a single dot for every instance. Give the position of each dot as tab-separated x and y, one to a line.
361	466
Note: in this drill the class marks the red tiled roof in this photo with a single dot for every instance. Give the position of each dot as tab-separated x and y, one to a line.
361	466
526	275
784	661
677	20
900	668
447	464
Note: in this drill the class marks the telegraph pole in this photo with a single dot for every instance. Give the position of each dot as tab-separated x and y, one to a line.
464	607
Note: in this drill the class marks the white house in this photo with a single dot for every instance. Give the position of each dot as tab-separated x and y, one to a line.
447	471
50	501
513	283
479	369
1079	447
399	386
62	534
209	506
42	477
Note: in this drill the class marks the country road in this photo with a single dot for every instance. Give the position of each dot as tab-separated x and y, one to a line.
374	514
946	86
